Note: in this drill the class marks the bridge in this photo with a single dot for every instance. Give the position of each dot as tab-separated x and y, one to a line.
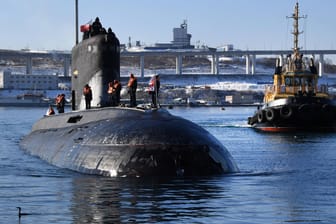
28	56
249	55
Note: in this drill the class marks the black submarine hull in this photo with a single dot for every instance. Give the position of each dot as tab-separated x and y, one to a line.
128	142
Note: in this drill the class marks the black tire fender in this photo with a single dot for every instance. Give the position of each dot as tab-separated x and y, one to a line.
326	108
260	116
270	115
286	111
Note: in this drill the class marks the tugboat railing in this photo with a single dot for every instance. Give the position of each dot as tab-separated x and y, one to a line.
293	90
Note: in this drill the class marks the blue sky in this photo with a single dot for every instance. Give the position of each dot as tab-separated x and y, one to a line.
248	24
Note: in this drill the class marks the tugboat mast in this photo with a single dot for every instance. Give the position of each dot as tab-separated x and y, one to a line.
296	31
296	27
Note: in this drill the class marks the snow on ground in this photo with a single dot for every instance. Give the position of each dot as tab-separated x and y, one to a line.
231	77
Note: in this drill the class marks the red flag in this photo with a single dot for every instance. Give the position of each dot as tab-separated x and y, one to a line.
85	27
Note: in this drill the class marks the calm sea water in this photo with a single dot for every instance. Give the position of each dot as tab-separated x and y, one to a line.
284	178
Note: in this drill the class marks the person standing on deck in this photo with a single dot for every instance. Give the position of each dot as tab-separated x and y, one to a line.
87	92
117	90
154	85
132	87
110	93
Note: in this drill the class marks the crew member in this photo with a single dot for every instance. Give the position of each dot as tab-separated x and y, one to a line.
87	92
50	111
117	89
60	103
110	94
154	85
110	34
132	86
96	27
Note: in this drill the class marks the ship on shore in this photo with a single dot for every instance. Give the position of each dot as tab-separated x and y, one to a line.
26	99
181	40
120	141
295	101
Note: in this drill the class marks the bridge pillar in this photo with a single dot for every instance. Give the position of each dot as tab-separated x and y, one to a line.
253	64
321	64
29	65
66	65
179	64
215	64
247	57
142	66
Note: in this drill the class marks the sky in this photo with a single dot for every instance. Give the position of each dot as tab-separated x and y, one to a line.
247	24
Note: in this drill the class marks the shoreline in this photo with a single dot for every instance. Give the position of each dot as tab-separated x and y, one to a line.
169	106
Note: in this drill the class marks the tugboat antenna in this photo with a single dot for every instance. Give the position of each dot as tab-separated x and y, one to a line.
296	31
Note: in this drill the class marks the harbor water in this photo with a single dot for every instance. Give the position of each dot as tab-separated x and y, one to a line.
283	178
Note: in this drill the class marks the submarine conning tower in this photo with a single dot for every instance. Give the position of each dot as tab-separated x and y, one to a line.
96	62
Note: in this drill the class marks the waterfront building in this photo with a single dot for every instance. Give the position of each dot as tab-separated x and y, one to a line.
8	80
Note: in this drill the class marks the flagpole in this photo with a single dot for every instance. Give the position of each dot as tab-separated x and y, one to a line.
76	15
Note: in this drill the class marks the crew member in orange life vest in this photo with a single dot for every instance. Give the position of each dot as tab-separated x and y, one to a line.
50	111
87	92
110	94
60	103
132	87
117	89
154	86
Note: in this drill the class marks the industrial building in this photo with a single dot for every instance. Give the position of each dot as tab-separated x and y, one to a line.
27	81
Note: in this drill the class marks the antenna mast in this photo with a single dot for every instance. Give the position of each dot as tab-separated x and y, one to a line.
76	17
296	31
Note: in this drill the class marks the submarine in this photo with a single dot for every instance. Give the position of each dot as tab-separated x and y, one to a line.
120	141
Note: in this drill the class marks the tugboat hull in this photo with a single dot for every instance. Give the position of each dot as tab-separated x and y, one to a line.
297	114
128	142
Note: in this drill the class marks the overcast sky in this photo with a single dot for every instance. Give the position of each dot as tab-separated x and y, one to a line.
247	24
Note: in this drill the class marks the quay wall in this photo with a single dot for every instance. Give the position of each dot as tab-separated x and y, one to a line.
203	79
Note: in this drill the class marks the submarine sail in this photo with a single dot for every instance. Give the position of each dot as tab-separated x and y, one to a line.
96	62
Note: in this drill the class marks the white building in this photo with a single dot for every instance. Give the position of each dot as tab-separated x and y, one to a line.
181	36
25	81
227	47
181	39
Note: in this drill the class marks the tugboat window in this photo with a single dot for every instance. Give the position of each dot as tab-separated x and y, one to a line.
297	81
309	82
288	81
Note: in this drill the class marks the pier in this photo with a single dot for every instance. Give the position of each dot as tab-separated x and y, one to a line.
248	55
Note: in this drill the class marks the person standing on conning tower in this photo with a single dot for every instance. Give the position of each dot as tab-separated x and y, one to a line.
96	27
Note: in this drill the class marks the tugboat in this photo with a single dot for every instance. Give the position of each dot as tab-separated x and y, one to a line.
120	141
295	101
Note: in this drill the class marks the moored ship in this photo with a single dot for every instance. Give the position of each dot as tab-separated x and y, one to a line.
295	101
